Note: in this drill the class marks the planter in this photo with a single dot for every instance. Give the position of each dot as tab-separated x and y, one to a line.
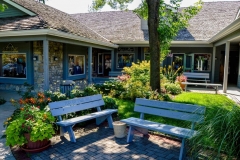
37	146
119	129
182	86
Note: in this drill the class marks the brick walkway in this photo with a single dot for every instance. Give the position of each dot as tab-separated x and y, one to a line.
99	143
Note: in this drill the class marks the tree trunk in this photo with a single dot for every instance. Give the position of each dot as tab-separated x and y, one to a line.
154	43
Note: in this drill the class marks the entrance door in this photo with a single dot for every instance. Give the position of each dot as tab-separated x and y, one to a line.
104	64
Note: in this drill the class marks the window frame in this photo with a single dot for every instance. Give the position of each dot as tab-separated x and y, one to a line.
117	64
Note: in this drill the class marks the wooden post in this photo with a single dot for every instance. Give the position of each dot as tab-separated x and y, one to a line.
225	78
213	64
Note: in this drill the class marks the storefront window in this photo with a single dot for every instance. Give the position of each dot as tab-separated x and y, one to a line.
13	65
177	61
202	62
125	60
76	64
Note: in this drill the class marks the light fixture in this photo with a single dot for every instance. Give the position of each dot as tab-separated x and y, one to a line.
55	58
35	58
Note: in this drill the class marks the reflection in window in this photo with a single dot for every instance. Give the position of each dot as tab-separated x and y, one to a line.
13	65
76	64
125	60
177	61
202	62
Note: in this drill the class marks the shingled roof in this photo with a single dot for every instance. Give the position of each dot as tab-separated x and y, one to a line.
126	25
47	18
115	25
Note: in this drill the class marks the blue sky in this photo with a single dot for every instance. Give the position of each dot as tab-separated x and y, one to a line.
82	6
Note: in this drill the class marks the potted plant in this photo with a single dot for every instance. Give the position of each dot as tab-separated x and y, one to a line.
180	79
31	125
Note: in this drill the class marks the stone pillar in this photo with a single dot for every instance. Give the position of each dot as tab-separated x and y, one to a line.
46	64
89	65
225	78
213	63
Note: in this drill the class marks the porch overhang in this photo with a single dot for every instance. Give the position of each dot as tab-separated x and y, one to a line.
51	32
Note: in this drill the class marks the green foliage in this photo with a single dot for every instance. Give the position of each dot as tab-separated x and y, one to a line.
55	96
170	73
173	88
30	119
3	7
112	88
115	4
90	90
219	136
2	101
28	92
110	103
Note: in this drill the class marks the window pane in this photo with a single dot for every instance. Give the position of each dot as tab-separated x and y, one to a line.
76	64
125	60
13	65
202	62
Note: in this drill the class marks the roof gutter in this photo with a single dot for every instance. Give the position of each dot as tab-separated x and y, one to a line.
172	43
235	25
54	33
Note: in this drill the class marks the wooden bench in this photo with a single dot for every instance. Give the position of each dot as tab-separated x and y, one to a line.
78	104
180	111
197	77
215	86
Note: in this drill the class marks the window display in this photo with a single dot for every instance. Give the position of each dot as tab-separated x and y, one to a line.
202	62
13	65
125	60
76	64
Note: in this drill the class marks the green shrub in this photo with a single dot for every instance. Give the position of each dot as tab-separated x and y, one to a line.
55	96
173	88
219	136
109	103
76	92
111	88
90	90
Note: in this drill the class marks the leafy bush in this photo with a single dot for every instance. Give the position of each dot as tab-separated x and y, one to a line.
38	123
112	88
55	96
219	136
173	88
170	73
109	103
90	90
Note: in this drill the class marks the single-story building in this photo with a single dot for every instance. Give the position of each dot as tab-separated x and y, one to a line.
41	45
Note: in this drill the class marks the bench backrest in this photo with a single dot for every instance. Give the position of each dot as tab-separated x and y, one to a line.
179	111
77	104
196	75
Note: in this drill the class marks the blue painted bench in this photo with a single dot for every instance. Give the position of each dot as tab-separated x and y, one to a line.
61	108
179	111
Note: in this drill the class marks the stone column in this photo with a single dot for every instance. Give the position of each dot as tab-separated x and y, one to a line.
225	78
89	65
46	64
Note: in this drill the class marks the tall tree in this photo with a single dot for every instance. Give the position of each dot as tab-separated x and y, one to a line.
164	23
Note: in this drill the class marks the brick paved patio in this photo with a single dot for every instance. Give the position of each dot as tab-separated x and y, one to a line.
99	143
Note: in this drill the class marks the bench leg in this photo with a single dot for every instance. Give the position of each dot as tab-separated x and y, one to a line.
71	134
130	134
62	131
110	121
216	89
99	120
182	155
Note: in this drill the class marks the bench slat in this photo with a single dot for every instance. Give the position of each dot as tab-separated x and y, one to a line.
73	121
170	106
170	114
196	75
164	128
75	101
78	107
202	84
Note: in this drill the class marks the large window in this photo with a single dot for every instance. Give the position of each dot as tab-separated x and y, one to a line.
13	65
202	62
124	60
76	64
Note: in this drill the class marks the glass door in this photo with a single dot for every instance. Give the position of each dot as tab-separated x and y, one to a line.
100	63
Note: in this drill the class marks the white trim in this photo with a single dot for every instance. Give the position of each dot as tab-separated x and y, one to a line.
30	13
237	14
54	33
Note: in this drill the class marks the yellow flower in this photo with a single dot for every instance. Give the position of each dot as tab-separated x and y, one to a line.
5	122
9	118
